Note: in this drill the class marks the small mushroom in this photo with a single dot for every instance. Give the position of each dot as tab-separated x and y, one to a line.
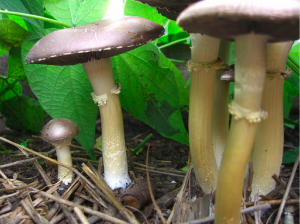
59	132
92	46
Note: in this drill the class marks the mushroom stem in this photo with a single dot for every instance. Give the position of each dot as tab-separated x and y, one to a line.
220	121
204	50
268	145
101	77
250	70
63	154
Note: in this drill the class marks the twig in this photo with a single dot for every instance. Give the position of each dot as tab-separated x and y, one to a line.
83	208
19	188
274	202
159	172
286	193
150	190
135	151
180	194
99	182
16	163
36	217
81	216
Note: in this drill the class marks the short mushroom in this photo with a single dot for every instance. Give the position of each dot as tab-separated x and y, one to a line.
251	24
59	132
93	45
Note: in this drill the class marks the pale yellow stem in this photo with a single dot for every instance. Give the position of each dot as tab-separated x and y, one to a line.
204	49
268	146
220	121
250	70
100	75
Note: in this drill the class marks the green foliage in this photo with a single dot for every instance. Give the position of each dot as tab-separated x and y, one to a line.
290	156
153	89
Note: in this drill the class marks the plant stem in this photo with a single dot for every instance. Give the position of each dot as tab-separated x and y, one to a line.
250	70
101	77
204	49
134	151
172	43
35	17
267	151
220	121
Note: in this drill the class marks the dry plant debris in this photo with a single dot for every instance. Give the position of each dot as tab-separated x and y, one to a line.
89	200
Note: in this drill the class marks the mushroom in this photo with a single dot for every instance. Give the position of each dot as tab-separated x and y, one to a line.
203	66
59	132
268	145
251	24
92	45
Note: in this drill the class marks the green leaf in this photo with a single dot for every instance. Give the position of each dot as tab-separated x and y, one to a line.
293	58
9	88
23	113
290	156
35	7
149	91
76	12
135	8
11	33
64	91
289	92
184	93
18	6
15	65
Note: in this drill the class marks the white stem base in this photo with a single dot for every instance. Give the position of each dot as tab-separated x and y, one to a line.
113	141
64	156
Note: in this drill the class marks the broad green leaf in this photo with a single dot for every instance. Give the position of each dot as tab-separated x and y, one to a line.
289	92
15	65
290	156
18	6
135	8
12	33
76	12
184	93
35	7
23	113
293	58
9	88
149	91
64	91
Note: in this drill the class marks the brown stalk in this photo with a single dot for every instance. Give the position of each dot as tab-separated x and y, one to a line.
149	186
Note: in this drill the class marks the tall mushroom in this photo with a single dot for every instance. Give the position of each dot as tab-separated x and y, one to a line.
251	24
268	145
59	132
92	45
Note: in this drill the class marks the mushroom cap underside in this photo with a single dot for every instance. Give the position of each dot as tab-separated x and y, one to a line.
101	39
59	131
226	19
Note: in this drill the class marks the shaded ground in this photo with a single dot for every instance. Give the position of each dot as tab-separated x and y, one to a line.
166	156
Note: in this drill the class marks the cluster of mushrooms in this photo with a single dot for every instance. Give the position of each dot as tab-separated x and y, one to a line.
220	156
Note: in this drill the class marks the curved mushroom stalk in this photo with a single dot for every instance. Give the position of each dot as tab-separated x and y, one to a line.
220	120
203	66
268	146
106	95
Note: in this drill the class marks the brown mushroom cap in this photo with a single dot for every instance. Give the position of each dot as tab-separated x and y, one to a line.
59	130
226	19
101	39
169	8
